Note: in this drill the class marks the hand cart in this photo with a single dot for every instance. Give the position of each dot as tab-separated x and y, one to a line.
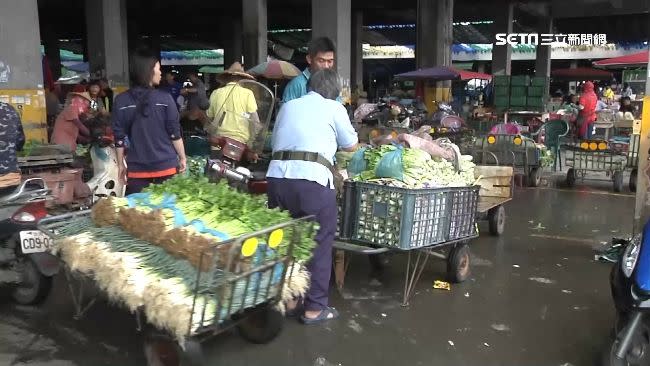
627	142
593	156
238	295
496	189
510	150
377	219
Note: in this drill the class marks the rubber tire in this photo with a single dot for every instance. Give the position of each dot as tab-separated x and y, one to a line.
633	177
497	220
618	181
609	358
261	324
458	263
35	294
534	177
571	178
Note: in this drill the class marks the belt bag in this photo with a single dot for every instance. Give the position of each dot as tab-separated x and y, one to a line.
304	156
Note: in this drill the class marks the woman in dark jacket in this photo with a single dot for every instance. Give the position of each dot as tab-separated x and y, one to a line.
149	119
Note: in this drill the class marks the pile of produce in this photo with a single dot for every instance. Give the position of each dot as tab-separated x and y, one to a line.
419	169
171	245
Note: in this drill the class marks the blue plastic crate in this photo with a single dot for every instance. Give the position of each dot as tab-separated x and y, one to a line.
410	218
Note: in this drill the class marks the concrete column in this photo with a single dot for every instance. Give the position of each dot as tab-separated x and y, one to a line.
356	69
107	40
642	206
543	55
255	29
21	75
232	41
333	19
501	55
434	37
480	67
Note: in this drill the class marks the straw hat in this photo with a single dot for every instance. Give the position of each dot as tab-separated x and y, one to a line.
236	69
84	95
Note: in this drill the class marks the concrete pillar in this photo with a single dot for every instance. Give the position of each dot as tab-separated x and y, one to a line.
232	41
434	37
52	51
356	69
501	55
480	67
21	75
642	206
107	40
333	19
543	55
255	29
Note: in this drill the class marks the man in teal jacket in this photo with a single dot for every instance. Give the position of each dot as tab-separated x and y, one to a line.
320	55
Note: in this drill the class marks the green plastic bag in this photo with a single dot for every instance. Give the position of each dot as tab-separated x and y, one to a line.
391	165
358	163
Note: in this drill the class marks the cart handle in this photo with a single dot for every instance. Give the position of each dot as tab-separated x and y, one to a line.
349	247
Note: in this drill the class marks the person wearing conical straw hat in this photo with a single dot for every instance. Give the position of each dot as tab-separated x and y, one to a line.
68	127
233	109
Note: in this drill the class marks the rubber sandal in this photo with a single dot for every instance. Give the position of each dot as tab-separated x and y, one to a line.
325	315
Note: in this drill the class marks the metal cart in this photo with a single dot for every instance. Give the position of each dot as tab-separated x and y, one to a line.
377	219
496	189
593	156
510	150
242	294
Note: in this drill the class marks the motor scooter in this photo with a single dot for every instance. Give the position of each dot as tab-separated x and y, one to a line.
26	265
630	286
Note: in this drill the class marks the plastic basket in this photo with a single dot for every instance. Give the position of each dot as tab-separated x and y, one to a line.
501	80
409	218
501	90
520	80
535	91
518	101
539	81
517	91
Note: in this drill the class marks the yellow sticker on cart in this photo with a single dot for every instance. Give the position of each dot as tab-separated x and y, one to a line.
249	247
602	146
491	139
517	140
276	238
593	146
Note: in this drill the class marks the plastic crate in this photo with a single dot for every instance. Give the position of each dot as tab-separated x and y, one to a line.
520	80
535	91
410	218
537	102
517	101
501	90
501	80
518	91
539	81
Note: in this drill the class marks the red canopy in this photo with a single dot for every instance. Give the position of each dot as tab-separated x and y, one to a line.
468	75
442	73
581	73
635	59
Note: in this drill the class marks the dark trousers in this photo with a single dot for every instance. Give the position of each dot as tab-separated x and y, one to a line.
136	185
303	198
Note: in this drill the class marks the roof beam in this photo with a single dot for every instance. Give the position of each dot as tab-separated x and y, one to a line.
595	8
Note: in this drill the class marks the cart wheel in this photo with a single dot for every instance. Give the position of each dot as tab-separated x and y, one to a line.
458	263
633	174
618	181
260	324
571	178
497	220
161	350
534	177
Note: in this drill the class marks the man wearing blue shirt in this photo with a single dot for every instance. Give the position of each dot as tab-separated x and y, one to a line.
172	87
307	133
320	55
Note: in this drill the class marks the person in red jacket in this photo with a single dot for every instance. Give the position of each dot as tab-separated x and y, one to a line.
587	115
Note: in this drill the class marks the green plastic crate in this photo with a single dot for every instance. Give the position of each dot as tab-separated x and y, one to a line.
501	91
536	102
517	101
411	218
535	91
503	101
520	80
539	81
518	91
501	80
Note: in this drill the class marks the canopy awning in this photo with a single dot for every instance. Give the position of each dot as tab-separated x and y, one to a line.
442	73
581	73
639	59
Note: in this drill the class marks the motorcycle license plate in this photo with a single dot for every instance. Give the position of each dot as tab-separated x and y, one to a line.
34	241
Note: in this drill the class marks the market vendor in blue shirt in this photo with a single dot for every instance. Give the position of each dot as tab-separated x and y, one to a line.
307	133
320	55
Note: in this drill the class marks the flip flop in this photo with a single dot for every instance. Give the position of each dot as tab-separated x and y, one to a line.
325	315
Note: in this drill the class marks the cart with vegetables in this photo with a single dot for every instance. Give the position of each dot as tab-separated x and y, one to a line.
406	200
520	152
190	259
594	156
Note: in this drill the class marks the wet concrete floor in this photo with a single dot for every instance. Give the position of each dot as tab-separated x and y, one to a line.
536	297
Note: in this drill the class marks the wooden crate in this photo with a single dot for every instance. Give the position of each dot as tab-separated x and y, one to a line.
496	181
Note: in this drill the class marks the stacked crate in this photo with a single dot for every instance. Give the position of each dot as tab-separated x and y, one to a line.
501	92
537	95
519	92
